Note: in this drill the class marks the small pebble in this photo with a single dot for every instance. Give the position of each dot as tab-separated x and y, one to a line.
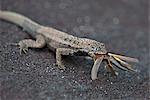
62	76
105	92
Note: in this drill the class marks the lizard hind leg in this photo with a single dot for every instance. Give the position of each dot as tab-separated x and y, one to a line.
29	43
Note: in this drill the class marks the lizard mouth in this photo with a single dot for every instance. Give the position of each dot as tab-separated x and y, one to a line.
104	52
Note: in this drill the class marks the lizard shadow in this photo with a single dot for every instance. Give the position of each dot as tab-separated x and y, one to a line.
80	63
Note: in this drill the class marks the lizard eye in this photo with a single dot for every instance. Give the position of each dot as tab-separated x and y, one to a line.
98	49
95	49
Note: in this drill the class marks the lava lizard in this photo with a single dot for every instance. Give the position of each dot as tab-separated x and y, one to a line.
65	44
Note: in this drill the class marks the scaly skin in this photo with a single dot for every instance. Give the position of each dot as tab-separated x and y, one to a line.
60	42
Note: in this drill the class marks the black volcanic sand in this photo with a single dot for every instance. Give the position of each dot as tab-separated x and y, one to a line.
121	24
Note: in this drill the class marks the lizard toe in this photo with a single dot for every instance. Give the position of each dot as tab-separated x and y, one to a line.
62	67
25	50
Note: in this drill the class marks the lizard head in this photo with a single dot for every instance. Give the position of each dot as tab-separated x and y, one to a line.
98	48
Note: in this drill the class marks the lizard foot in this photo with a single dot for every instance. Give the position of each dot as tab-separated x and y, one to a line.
23	47
61	66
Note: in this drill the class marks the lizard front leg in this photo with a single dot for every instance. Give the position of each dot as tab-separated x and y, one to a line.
63	51
29	43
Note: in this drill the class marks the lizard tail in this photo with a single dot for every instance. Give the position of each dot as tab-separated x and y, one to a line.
20	20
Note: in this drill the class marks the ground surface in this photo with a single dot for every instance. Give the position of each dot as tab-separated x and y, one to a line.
121	24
